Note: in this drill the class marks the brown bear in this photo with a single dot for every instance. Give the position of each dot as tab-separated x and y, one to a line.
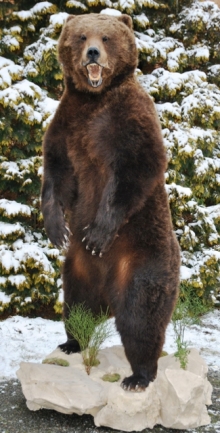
104	164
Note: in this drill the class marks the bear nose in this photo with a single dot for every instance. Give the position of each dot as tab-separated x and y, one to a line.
93	53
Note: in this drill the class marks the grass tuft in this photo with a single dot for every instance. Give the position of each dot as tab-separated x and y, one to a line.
90	331
189	309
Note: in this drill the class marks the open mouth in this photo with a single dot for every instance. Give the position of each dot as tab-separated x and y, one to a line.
94	74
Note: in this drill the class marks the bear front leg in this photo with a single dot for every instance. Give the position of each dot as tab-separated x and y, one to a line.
59	188
53	214
101	233
125	195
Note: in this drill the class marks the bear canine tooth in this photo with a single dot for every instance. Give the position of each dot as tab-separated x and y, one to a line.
94	83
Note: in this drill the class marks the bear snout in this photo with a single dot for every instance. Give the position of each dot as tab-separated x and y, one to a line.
93	54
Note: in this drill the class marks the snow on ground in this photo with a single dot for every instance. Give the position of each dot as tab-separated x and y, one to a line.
24	339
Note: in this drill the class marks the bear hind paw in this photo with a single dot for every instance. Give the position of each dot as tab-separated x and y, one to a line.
71	346
136	383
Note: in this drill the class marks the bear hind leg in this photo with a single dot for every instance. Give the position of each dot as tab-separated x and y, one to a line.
146	313
143	356
79	289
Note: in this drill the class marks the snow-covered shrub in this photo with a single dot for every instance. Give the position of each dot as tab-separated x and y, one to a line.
179	66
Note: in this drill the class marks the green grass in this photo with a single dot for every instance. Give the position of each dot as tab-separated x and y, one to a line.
188	311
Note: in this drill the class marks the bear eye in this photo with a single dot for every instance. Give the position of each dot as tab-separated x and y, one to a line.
105	38
83	38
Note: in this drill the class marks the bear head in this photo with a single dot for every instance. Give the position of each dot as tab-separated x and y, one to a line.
95	50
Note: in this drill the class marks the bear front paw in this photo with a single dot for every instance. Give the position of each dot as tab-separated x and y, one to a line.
58	234
54	223
97	240
63	238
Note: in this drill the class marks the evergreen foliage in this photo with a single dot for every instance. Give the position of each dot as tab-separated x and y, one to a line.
179	67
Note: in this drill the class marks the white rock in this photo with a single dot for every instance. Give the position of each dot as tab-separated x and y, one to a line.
128	411
176	399
182	399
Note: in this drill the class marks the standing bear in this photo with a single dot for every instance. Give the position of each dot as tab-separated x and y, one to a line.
104	164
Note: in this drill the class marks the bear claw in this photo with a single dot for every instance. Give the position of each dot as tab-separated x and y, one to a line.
135	383
85	228
131	389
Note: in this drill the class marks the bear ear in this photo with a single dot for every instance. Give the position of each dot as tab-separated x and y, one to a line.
70	17
127	20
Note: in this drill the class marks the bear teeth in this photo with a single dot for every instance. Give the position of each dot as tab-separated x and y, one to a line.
94	74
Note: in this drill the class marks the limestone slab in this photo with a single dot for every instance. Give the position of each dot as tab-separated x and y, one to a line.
176	399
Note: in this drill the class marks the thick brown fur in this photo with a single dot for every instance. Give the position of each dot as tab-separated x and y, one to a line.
104	164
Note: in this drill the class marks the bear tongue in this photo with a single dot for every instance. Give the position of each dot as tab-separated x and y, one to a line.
94	73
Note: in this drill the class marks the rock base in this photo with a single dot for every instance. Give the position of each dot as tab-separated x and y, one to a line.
176	399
